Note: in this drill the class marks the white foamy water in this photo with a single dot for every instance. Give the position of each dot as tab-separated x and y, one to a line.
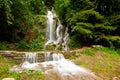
58	69
55	33
30	57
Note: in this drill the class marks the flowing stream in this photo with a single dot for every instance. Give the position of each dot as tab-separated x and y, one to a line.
55	68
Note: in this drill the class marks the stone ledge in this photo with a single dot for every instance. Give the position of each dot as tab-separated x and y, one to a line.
18	56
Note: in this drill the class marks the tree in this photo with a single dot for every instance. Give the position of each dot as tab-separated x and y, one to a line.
15	19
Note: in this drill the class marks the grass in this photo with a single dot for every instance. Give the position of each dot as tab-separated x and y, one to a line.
104	62
105	49
27	75
88	52
74	56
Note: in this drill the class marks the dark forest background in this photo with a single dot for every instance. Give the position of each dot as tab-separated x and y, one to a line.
90	22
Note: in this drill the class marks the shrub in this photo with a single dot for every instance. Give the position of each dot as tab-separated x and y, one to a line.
34	45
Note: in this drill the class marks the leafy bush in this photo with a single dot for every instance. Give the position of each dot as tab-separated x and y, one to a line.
34	45
104	29
83	28
90	16
81	4
114	40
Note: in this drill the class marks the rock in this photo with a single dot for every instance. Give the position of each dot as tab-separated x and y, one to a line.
93	46
115	78
8	79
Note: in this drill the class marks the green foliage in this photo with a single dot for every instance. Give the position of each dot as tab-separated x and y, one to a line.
49	3
39	72
90	24
114	19
18	17
28	71
41	21
4	69
105	49
37	6
105	29
62	8
32	75
7	7
92	21
74	56
88	52
3	46
81	4
15	19
75	41
83	28
4	72
1	58
27	75
114	40
14	75
34	45
90	16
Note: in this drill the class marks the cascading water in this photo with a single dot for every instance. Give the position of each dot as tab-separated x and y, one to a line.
65	40
55	67
51	27
55	31
30	57
58	69
47	56
57	57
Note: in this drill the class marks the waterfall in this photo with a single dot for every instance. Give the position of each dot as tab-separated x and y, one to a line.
58	68
55	31
65	40
47	56
30	57
57	57
55	67
51	27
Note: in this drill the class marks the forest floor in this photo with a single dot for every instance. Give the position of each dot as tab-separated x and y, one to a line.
103	62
